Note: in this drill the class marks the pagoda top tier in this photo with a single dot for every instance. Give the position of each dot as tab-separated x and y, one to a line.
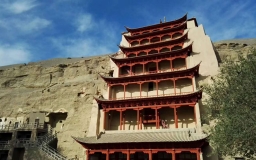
174	29
146	29
158	45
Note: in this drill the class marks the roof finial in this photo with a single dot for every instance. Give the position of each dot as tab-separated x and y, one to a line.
160	21
164	19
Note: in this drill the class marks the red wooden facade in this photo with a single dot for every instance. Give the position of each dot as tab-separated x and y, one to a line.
150	44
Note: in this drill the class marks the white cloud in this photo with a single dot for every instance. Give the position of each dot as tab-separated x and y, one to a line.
25	25
13	54
19	6
92	38
84	22
82	47
33	24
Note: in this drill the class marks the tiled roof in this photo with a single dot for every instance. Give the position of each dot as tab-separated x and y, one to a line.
136	136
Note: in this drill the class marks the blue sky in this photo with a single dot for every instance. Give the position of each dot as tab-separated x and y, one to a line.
33	30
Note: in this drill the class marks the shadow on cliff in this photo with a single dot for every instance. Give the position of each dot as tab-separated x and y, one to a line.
199	79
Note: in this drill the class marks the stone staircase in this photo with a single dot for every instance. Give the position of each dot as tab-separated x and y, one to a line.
43	145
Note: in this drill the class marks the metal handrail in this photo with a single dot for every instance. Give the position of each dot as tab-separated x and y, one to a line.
48	150
51	152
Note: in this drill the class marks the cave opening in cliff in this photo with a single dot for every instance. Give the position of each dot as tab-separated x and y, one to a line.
5	137
111	73
57	120
18	153
4	154
24	134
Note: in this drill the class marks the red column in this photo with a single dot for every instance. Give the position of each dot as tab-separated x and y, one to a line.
195	114
157	88
128	155
124	121
104	120
186	62
198	155
192	84
174	86
124	90
138	119
140	90
121	115
173	156
109	92
150	155
87	154
107	155
175	117
157	67
140	122
156	118
118	74
130	69
171	65
143	68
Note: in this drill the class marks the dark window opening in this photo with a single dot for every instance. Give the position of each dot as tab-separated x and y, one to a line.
150	86
16	125
152	69
111	73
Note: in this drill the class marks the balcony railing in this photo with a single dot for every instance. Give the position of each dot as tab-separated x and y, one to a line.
5	145
24	126
149	119
25	142
149	96
153	72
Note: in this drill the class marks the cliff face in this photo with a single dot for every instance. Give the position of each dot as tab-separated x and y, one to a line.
51	85
69	84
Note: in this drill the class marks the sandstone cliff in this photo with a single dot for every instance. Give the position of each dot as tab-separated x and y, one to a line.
51	85
54	84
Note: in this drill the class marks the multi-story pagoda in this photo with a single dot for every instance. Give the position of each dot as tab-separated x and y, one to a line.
151	110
